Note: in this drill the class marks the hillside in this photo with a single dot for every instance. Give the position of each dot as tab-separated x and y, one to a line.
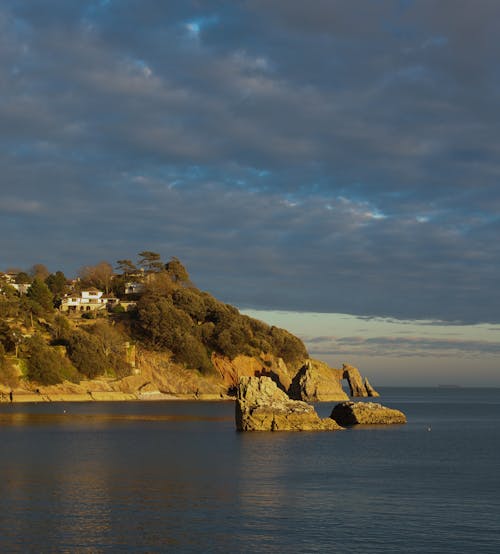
112	327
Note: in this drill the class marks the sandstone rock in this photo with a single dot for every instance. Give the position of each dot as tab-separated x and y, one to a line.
354	379
366	413
370	390
265	365
262	406
317	382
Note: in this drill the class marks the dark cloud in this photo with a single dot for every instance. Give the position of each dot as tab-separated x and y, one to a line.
312	157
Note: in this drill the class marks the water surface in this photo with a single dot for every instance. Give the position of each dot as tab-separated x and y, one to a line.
175	476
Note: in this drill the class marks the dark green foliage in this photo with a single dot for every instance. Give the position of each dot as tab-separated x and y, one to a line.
45	364
40	293
22	278
165	326
7	337
57	285
87	354
191	302
177	271
60	330
99	349
161	322
118	285
165	322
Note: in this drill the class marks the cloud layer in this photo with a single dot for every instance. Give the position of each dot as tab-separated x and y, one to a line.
322	158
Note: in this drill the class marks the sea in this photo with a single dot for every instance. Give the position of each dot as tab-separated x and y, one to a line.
177	477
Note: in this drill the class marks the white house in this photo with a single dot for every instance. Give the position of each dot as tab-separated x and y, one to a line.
85	301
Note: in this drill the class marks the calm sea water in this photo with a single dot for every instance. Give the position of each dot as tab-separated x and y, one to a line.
175	476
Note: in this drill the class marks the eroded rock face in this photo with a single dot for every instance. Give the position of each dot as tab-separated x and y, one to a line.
370	390
366	413
266	365
355	380
262	406
317	382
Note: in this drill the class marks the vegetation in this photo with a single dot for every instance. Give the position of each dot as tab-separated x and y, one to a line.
8	375
170	315
46	364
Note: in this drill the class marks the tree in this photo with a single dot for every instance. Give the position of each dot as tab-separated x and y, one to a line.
8	375
40	293
86	353
177	271
39	271
150	261
99	275
7	337
22	278
127	267
57	284
45	364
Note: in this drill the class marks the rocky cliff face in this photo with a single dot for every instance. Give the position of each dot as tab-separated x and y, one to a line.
356	385
265	365
262	406
158	376
317	382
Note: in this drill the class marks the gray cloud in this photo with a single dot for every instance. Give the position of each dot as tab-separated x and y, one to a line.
295	157
399	346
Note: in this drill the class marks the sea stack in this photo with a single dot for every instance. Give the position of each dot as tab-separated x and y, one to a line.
262	406
366	413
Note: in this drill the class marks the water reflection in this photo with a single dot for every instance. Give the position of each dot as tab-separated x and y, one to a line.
149	478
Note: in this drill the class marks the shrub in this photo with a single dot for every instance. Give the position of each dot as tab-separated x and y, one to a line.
8	375
45	364
87	354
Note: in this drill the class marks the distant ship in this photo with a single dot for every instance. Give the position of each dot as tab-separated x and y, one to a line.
449	387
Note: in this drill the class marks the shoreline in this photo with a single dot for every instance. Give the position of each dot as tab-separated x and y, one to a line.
98	396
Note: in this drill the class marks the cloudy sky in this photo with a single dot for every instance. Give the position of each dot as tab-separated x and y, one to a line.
304	159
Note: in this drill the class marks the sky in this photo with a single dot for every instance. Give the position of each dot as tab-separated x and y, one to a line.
329	165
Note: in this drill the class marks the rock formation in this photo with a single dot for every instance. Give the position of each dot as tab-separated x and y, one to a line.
262	406
357	386
366	413
370	390
266	365
354	379
317	382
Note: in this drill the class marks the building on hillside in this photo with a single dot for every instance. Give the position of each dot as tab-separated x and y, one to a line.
88	300
10	279
134	287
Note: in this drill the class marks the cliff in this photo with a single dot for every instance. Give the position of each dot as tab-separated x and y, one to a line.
157	377
317	382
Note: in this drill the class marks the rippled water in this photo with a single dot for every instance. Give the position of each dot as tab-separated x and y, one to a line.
175	476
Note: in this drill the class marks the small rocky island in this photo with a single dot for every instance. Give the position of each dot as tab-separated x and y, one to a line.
366	413
262	406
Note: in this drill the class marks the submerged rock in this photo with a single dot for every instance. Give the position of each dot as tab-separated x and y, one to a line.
317	382
262	406
366	413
